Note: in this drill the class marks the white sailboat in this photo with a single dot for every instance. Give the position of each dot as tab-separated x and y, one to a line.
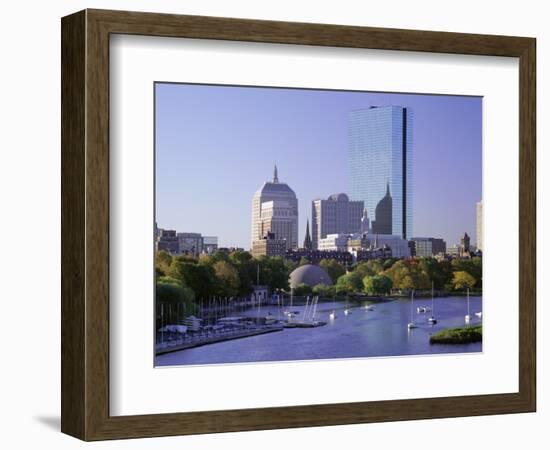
432	318
289	313
346	311
411	324
467	317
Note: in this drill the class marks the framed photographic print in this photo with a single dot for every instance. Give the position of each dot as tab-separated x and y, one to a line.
271	224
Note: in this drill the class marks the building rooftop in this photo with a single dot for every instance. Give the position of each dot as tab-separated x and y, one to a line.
339	197
275	188
309	274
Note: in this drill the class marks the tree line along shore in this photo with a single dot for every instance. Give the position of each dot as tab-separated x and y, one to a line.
189	280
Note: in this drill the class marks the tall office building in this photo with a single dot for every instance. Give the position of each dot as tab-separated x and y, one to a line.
380	166
479	225
275	212
335	215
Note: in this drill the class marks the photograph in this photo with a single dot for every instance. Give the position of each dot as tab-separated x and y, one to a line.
298	224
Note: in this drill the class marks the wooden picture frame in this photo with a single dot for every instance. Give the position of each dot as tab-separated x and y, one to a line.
85	224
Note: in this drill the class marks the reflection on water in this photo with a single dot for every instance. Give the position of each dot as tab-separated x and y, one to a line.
361	332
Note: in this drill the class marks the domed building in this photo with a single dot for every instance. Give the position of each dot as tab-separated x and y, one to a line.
310	275
275	213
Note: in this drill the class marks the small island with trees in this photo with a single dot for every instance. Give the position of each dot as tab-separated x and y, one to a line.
461	335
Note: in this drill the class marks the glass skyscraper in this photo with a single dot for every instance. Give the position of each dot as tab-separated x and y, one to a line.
380	165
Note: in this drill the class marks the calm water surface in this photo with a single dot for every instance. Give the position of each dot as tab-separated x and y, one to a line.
362	333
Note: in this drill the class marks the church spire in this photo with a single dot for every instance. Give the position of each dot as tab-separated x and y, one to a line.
365	222
307	241
275	176
387	188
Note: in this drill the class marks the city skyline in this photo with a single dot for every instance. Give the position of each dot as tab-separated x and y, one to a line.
305	132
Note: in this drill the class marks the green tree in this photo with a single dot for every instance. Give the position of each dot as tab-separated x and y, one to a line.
290	266
350	283
218	256
278	273
377	284
240	257
247	269
407	283
273	272
302	289
170	290
334	269
371	267
330	292
304	261
389	262
206	260
173	298
375	266
200	278
472	266
362	269
438	272
463	280
228	278
321	290
162	261
408	274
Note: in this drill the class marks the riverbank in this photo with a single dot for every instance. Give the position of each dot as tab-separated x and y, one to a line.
461	335
438	294
215	338
361	333
354	298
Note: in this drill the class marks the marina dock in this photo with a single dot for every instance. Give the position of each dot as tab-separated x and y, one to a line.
187	343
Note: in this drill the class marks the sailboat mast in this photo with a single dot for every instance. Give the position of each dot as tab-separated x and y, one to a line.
314	307
412	305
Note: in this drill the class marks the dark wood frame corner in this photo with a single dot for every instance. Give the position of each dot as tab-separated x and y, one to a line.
85	224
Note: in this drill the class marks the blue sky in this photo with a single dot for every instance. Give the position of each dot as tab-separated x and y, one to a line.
216	145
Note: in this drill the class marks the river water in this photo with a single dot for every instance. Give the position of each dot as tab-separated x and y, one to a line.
361	333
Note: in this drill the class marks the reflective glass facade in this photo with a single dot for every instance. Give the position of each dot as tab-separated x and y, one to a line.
380	156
